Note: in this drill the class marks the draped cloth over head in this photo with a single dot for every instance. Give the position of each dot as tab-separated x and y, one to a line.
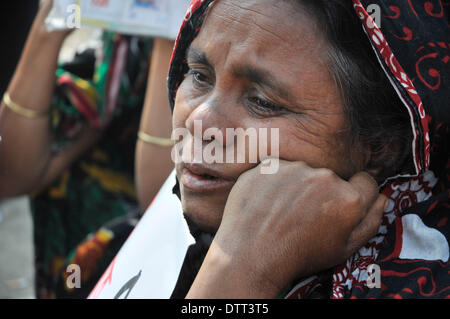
409	257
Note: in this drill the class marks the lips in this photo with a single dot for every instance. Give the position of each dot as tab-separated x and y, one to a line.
201	178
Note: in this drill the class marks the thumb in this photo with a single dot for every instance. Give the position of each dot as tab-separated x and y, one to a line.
369	225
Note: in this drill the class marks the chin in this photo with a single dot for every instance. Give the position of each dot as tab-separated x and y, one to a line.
203	214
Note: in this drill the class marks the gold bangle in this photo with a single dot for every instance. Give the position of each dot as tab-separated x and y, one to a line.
26	112
160	141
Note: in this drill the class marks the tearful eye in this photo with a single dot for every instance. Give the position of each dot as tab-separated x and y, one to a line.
265	108
198	78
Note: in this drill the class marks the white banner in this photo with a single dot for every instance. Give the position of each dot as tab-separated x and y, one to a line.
156	18
149	262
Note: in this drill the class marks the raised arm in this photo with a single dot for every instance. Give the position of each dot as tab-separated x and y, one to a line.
153	162
26	159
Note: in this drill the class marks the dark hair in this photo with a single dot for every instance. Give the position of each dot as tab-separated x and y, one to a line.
375	112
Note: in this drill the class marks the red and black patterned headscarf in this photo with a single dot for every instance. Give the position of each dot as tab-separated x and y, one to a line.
411	250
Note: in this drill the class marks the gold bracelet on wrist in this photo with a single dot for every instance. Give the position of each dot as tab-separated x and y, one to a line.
160	141
23	111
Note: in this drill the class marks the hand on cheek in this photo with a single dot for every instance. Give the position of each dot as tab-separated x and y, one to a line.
276	228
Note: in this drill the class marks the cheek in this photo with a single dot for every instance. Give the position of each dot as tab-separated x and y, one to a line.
178	117
318	148
181	110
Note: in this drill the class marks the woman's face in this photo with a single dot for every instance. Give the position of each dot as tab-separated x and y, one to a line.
258	64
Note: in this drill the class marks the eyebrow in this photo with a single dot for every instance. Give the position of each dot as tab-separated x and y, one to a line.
253	74
197	56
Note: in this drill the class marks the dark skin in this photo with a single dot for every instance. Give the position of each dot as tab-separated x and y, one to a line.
249	69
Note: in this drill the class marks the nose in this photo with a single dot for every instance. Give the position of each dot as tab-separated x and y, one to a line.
209	121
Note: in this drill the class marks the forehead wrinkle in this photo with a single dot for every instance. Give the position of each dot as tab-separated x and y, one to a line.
253	21
240	39
233	13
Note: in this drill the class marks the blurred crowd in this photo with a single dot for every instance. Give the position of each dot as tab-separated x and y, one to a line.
69	192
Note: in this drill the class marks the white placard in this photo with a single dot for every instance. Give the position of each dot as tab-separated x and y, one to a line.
149	262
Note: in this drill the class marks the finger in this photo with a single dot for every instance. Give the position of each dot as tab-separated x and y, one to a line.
367	188
369	225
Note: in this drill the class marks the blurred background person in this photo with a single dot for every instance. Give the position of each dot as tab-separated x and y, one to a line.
69	133
16	231
153	163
